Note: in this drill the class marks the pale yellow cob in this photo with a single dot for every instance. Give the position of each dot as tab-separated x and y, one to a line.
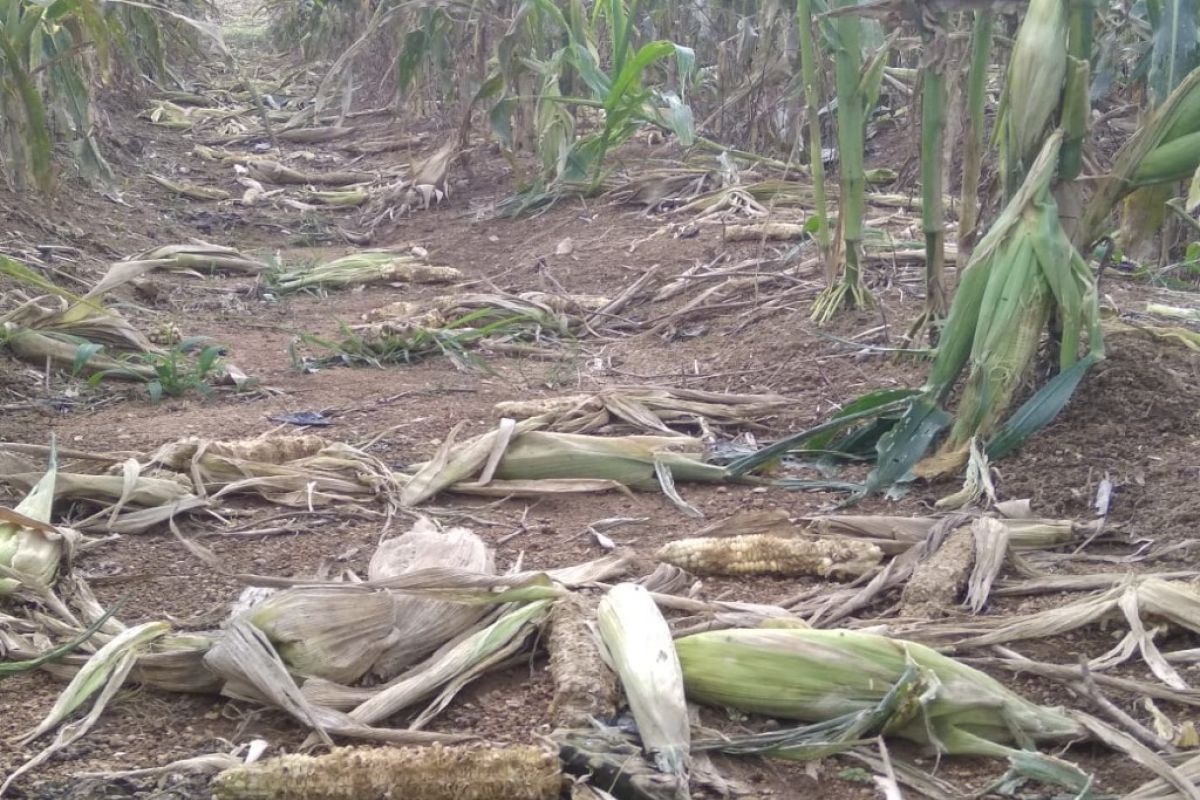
763	554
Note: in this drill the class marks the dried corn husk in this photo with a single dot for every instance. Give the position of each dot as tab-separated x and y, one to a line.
82	321
639	647
335	633
268	171
820	675
195	257
368	266
246	660
561	313
647	408
449	669
764	554
897	534
1142	601
428	773
289	470
190	190
420	624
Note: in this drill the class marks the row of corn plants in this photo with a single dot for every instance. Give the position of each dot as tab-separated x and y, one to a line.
53	56
1027	274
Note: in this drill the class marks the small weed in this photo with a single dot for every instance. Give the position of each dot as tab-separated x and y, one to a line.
188	366
856	775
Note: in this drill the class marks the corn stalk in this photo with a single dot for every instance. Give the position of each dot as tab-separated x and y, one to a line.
857	88
809	58
973	135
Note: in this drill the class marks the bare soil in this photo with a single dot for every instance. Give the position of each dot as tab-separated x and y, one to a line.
1134	421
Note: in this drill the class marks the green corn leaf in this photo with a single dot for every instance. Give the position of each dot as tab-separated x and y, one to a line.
1174	52
1040	409
38	133
777	450
904	445
84	354
866	402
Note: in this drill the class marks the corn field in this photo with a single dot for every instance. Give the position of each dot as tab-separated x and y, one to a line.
635	399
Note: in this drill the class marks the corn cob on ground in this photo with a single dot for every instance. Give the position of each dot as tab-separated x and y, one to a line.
584	687
405	773
758	554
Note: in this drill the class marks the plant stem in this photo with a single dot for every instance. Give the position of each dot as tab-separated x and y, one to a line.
812	102
851	114
981	45
933	215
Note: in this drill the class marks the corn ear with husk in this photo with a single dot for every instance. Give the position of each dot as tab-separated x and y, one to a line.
427	773
821	675
422	624
30	548
638	643
269	171
629	460
764	554
368	266
518	454
1033	88
344	198
336	633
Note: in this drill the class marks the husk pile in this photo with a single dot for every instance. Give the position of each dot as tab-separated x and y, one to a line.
650	409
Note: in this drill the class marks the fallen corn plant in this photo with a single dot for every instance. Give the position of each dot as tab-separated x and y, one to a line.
648	409
518	458
496	322
291	470
368	266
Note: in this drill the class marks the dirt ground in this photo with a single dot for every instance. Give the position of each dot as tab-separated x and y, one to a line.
1134	421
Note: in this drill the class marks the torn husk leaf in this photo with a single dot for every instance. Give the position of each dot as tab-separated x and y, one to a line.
94	674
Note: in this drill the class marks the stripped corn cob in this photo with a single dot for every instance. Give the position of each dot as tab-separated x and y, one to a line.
400	773
765	554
